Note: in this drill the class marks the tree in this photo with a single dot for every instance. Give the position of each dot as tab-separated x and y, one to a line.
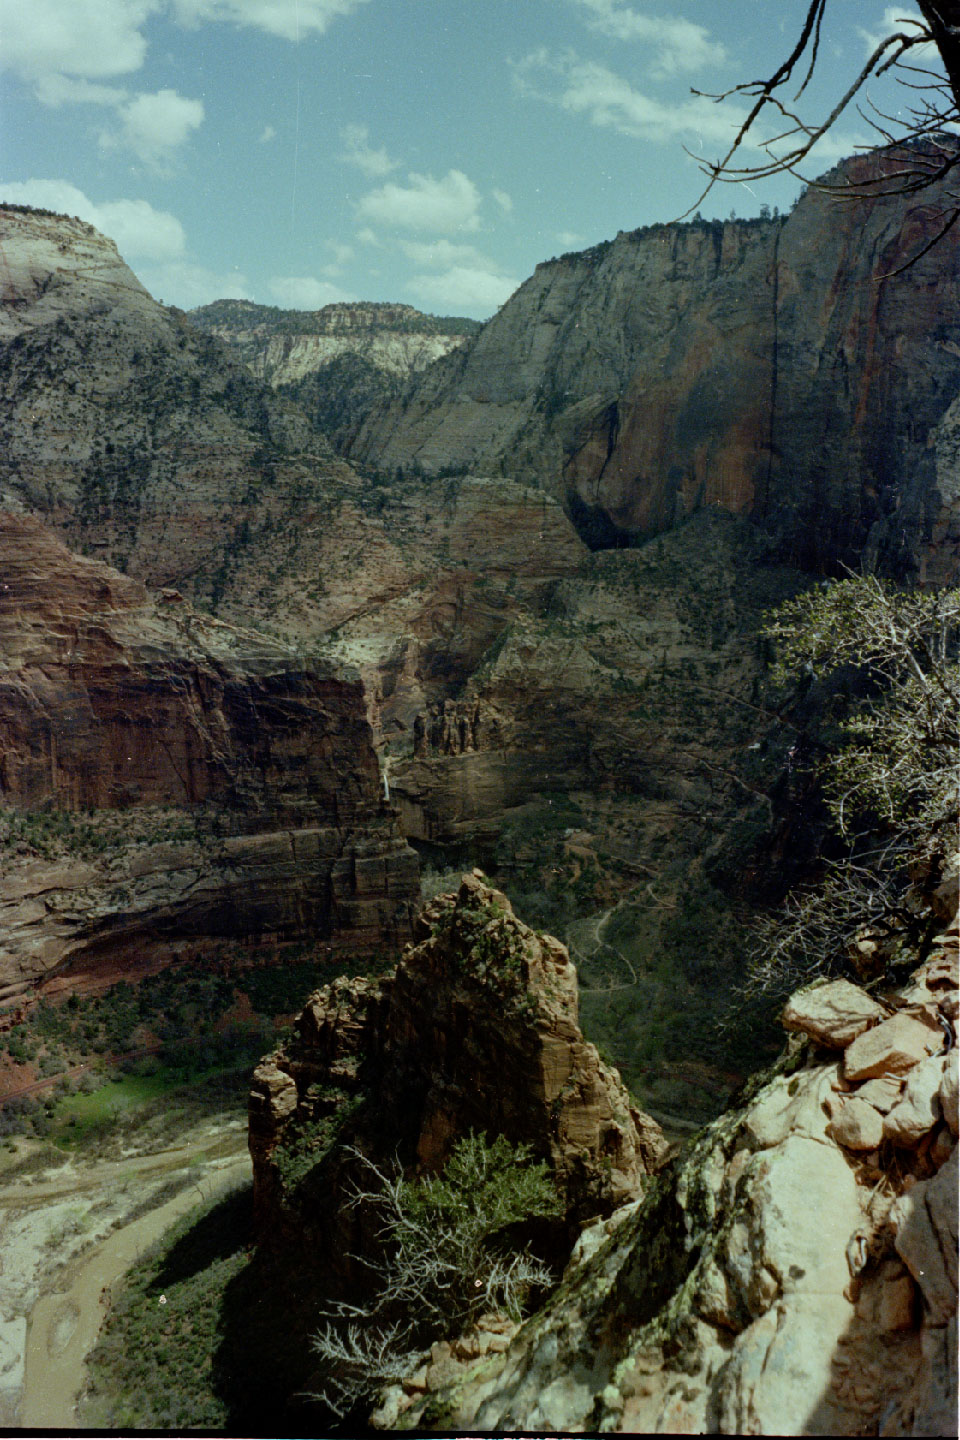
890	784
916	149
447	1258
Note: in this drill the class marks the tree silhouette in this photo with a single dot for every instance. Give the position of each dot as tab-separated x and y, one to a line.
916	148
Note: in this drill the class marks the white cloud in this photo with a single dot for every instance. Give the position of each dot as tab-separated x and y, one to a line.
584	87
903	19
94	39
503	200
266	134
367	237
443	205
186	284
679	46
287	19
570	240
153	126
55	89
358	151
140	231
462	287
342	254
304	292
444	253
463	279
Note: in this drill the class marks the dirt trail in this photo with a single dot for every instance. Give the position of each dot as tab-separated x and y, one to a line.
64	1324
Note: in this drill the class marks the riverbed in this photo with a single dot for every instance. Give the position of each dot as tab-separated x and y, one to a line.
68	1233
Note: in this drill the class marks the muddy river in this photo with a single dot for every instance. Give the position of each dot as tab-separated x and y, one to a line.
66	1237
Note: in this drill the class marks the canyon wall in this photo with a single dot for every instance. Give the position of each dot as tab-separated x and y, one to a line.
338	363
168	780
775	368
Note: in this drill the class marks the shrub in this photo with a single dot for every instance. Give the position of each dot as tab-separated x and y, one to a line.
448	1257
890	783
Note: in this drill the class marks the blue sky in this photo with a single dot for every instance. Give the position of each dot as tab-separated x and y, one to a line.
299	152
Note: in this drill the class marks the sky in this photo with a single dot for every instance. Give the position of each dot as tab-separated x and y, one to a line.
433	152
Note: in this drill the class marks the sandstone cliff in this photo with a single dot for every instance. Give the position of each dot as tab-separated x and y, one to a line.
339	363
776	369
132	433
284	346
794	1273
207	784
476	1028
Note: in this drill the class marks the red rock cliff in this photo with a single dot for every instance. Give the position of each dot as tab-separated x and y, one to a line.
114	701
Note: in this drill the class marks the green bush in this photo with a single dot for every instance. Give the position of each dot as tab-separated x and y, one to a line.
450	1254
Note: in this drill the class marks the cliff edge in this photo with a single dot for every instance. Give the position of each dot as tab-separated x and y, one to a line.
794	1273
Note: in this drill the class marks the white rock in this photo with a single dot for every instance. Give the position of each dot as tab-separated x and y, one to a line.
790	1105
918	1110
893	1047
782	1368
832	1014
882	1093
801	1204
858	1126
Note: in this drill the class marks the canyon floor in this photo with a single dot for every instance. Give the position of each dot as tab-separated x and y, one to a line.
70	1228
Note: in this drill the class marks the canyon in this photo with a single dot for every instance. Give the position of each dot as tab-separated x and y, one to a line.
303	618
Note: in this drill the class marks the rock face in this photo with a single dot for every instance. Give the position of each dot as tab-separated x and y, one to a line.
284	346
236	791
476	1029
782	1278
340	362
774	368
126	428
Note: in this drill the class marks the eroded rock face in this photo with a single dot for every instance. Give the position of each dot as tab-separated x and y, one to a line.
476	1029
782	1278
771	369
131	707
338	363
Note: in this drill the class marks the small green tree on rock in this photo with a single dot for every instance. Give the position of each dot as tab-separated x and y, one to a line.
447	1258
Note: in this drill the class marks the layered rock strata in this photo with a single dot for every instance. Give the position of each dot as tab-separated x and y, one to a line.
339	363
285	346
795	1273
782	369
226	790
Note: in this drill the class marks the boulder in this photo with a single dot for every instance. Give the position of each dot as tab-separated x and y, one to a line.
893	1047
858	1126
882	1093
832	1014
918	1110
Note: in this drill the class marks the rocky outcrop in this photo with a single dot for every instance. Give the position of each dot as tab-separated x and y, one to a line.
206	784
285	346
777	369
794	1273
476	1029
